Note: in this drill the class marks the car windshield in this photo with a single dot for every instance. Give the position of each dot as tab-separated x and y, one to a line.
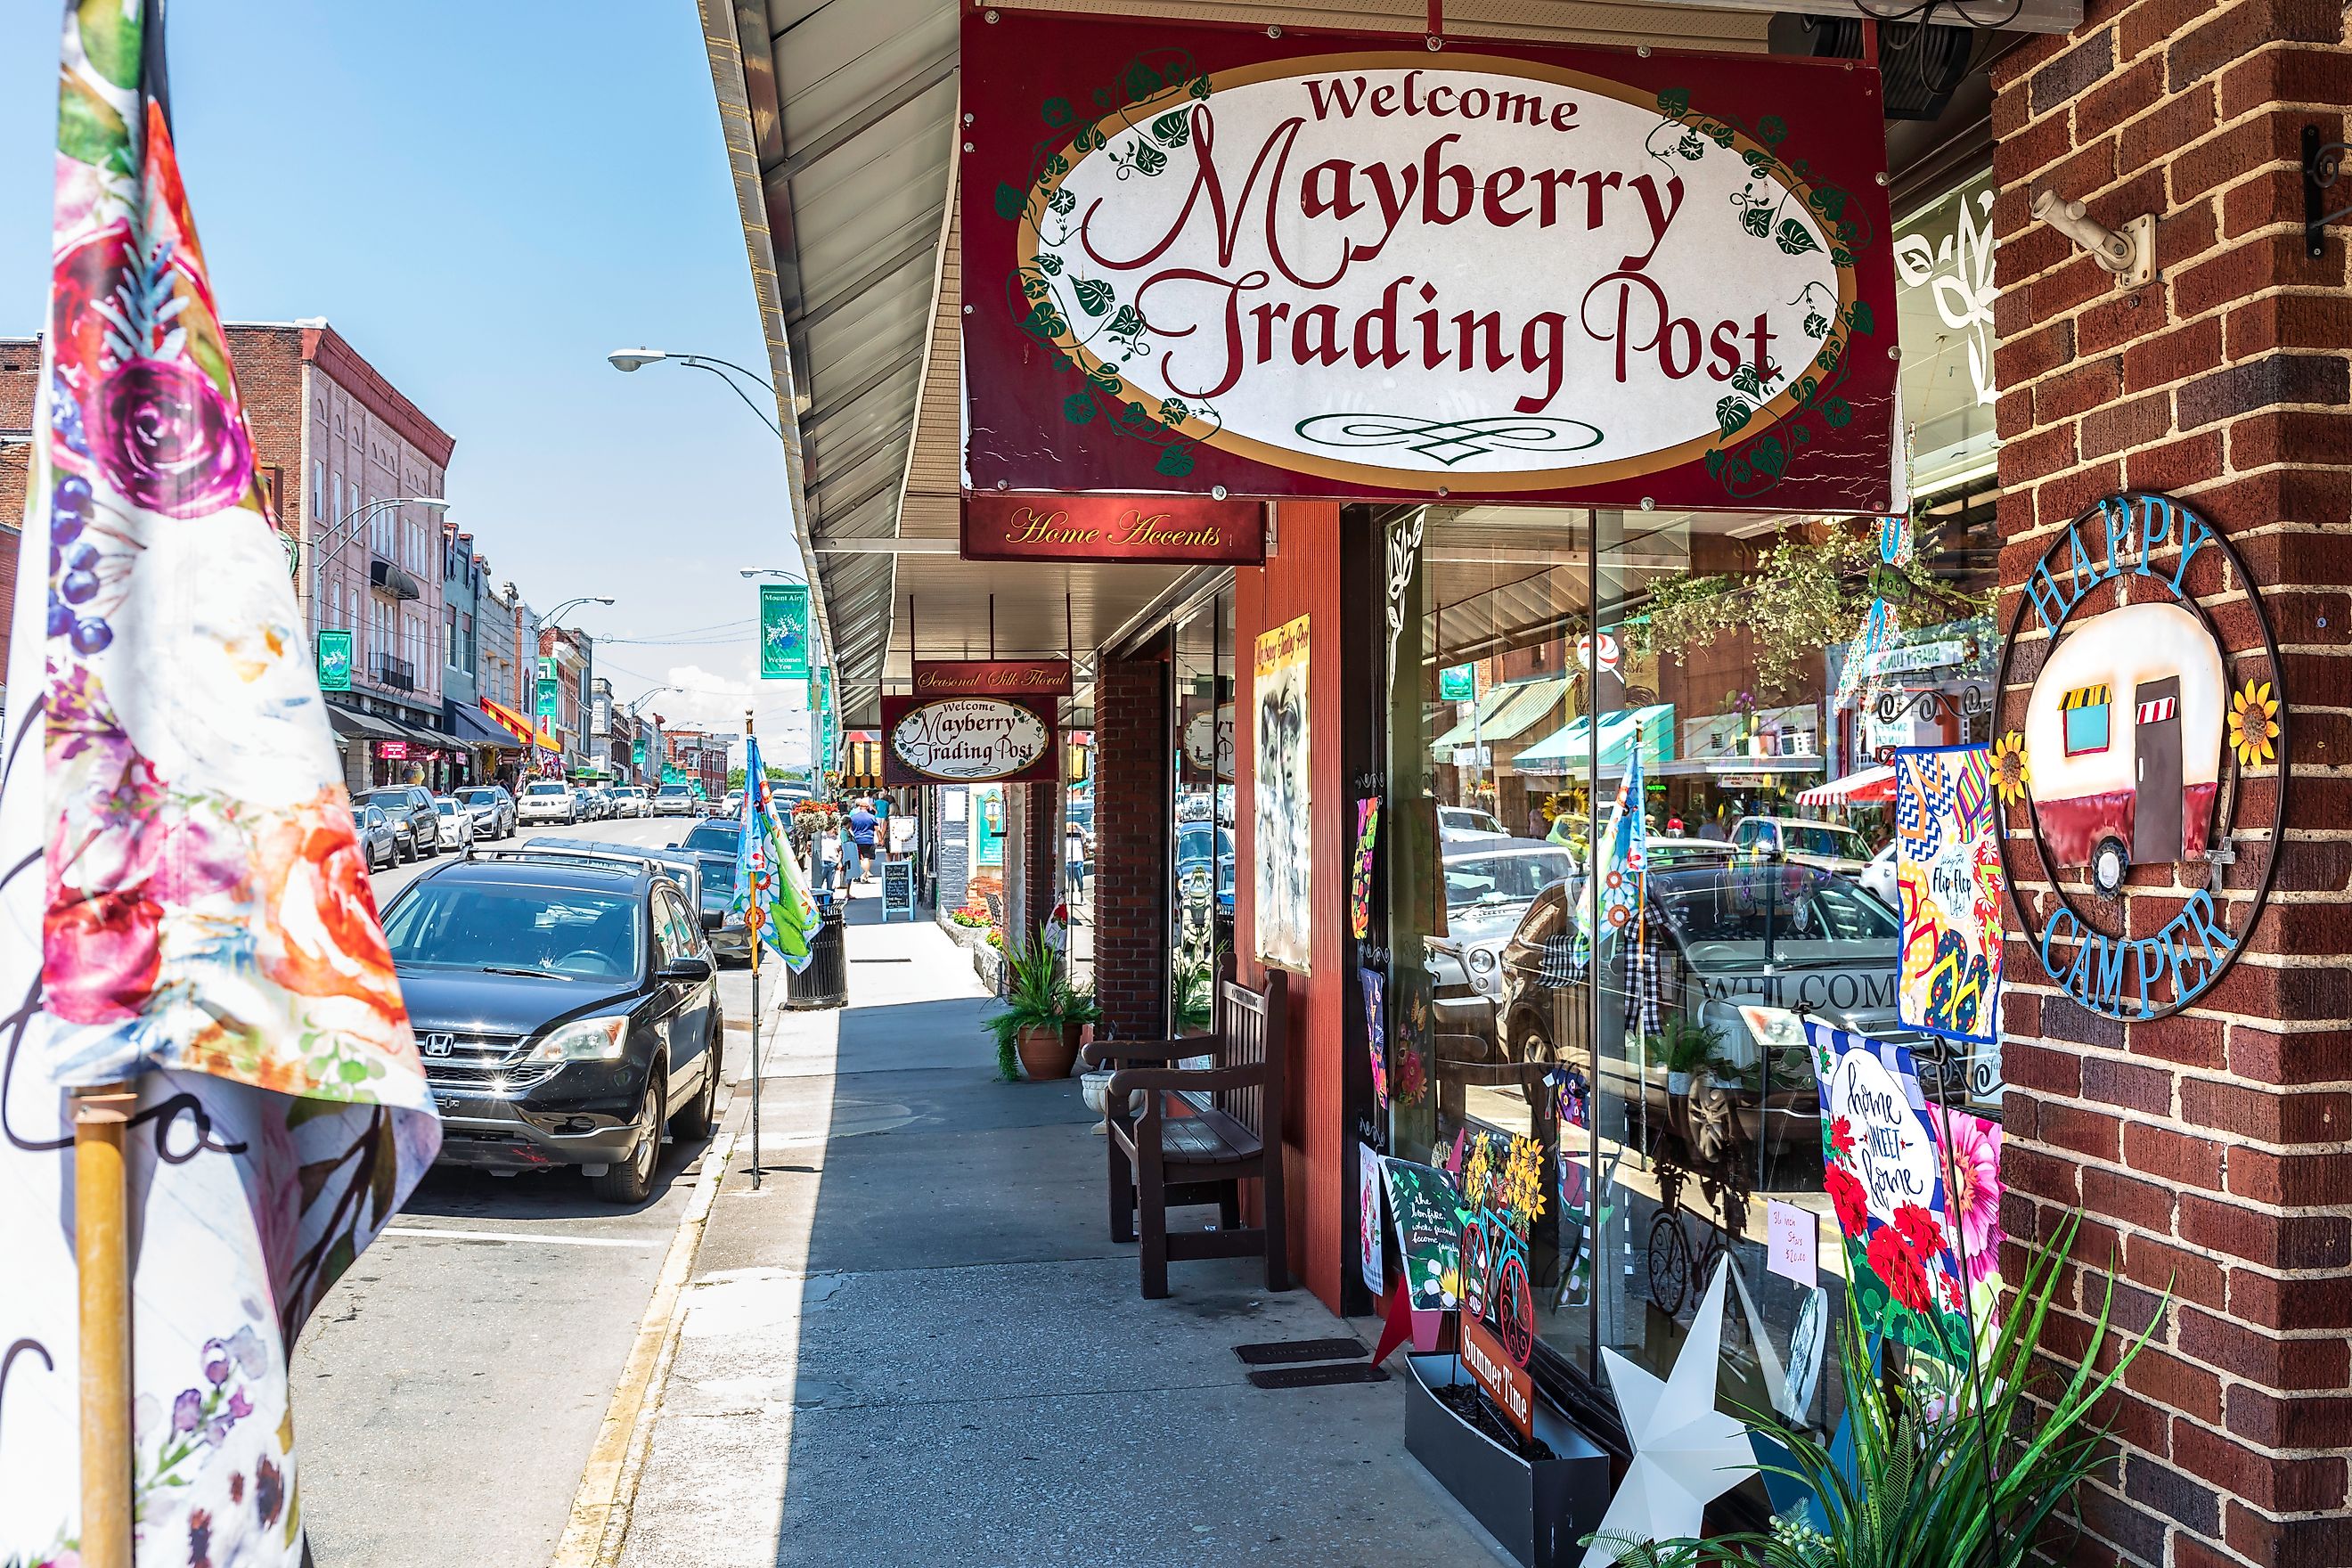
1741	916
478	796
1821	838
1470	820
446	807
575	933
674	789
1504	879
544	789
390	799
714	833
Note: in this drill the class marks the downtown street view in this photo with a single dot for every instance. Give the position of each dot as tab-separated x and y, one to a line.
1356	782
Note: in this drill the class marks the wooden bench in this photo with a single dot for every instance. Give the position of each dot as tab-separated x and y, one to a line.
1201	1132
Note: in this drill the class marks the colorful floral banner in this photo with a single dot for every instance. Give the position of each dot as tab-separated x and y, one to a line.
186	906
1951	890
1376	1038
1359	882
1885	1176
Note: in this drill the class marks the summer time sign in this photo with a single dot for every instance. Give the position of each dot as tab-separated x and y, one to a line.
1212	261
967	740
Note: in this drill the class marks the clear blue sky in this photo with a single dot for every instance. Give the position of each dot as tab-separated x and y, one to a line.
485	199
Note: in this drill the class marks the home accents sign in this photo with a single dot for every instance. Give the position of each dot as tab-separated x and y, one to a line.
968	740
1215	262
2141	756
1154	530
992	678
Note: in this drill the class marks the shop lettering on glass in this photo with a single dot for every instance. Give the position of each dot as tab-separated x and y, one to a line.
2142	758
1385	273
966	740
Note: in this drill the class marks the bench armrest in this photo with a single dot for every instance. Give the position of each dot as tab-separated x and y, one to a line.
1096	1053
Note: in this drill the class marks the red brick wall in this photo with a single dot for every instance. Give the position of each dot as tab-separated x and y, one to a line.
1131	848
1303	579
2211	1152
20	378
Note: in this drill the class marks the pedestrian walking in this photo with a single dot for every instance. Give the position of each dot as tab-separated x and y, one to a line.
844	857
1074	857
862	824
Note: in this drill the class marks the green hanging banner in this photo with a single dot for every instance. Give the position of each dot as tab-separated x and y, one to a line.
1458	683
783	631
334	661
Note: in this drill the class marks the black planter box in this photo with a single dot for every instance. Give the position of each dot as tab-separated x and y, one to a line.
1540	1510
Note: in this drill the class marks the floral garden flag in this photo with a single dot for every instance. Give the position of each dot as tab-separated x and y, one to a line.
182	902
1951	887
1623	855
1884	1171
770	892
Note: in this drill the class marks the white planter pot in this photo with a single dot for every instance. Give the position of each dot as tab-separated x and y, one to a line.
1096	1087
1678	1083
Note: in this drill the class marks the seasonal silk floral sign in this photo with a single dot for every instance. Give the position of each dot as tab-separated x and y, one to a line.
184	906
1884	1172
1217	257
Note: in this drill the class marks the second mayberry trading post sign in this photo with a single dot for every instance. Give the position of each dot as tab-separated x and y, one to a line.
1323	266
969	739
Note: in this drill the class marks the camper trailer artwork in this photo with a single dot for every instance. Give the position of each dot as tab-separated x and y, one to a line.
2133	725
2123	741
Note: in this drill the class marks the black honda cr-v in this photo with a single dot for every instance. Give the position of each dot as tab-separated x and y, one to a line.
566	1009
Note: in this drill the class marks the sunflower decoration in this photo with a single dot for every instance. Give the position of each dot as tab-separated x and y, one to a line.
2253	724
2009	774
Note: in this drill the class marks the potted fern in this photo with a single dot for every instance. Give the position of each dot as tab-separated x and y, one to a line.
1965	1482
1037	1028
1688	1047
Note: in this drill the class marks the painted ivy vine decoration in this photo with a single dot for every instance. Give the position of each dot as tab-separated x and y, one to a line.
1754	458
1081	317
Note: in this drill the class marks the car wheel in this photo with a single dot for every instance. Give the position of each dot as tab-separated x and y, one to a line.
398	857
631	1180
695	1119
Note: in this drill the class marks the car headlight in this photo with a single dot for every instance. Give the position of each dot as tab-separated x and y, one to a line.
1482	960
584	1040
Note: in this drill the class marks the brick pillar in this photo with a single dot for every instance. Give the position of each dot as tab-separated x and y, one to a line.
2209	1150
1131	848
1033	863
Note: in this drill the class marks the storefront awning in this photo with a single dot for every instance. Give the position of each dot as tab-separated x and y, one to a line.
521	728
353	724
1871	787
473	730
1524	705
1490	706
1570	750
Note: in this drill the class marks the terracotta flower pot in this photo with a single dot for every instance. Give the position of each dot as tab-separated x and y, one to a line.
1047	1051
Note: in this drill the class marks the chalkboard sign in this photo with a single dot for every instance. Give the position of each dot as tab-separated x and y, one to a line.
898	889
1429	1234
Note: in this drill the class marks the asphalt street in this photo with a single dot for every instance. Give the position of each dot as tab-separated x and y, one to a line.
449	1388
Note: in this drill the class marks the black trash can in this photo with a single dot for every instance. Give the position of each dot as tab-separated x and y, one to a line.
825	981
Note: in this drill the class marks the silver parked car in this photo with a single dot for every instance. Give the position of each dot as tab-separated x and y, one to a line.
379	840
493	809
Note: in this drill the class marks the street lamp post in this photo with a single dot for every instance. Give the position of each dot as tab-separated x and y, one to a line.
327	545
630	360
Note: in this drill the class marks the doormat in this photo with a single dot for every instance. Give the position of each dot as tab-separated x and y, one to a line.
1282	1352
1318	1377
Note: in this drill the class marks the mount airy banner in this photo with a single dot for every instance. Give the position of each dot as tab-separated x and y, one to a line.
1325	266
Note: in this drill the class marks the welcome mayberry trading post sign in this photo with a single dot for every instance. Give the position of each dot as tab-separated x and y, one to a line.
1207	260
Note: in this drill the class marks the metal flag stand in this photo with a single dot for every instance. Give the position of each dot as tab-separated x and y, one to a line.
755	789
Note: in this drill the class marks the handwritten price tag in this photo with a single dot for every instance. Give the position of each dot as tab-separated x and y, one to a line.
1793	1235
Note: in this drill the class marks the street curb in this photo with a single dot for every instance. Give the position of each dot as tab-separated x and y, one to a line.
599	1522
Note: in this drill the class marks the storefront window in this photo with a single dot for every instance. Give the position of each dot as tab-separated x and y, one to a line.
1759	671
1203	870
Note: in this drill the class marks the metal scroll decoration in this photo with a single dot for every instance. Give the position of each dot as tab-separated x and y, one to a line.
2142	747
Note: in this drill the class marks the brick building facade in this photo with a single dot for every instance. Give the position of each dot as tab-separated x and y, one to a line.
1131	849
2211	1152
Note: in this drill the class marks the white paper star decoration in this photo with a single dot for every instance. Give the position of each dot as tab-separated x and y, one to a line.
1686	1452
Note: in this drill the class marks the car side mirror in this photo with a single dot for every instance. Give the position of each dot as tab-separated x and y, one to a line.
713	920
685	970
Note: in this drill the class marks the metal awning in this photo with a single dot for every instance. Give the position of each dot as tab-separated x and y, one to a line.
473	730
1505	713
353	724
1570	750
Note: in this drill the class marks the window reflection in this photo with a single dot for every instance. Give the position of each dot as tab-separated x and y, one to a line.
1202	868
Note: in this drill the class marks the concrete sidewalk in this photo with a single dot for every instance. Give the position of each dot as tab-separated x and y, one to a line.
915	1342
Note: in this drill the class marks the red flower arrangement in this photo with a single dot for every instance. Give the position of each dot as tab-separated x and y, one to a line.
1891	1260
1846	1195
1919	1230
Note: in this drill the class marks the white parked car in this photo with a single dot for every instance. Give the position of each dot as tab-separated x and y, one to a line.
1878	880
629	800
456	822
1456	823
675	800
548	800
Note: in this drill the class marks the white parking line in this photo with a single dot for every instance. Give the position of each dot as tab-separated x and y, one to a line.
520	1235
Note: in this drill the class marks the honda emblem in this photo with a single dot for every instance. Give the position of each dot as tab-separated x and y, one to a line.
439	1045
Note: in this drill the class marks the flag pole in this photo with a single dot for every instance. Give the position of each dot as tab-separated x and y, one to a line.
753	909
102	1116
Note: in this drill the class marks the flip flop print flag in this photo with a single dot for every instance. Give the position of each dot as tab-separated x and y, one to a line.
183	905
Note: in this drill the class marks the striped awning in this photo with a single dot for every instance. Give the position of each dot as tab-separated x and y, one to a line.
2159	710
521	728
2085	696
